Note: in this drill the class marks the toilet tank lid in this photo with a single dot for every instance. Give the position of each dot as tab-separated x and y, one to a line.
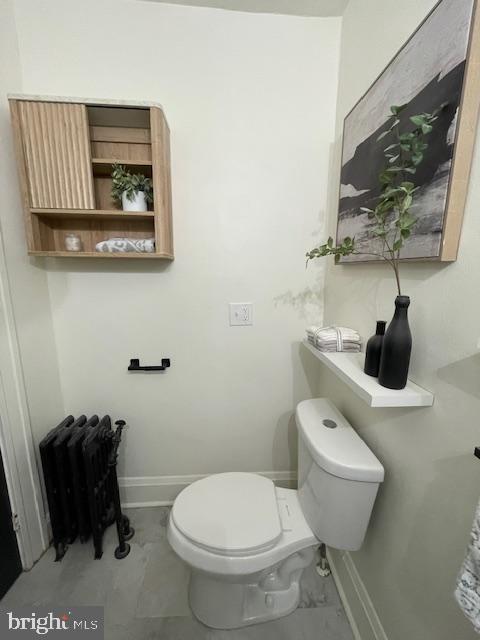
339	450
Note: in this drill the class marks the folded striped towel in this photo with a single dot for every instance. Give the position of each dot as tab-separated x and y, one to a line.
331	339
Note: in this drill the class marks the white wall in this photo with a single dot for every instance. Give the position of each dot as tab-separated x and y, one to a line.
423	515
28	281
28	362
251	104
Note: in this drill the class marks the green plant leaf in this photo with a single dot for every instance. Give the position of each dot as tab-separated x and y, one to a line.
406	221
385	178
418	120
391	191
417	158
384	206
407	202
395	109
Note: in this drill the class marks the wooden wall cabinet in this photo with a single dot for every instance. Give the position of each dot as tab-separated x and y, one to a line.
65	150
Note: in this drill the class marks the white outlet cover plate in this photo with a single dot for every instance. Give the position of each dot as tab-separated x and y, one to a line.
241	314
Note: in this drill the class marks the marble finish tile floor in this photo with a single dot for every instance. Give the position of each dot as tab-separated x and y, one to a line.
145	595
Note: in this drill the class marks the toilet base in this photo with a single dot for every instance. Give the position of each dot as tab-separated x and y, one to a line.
227	602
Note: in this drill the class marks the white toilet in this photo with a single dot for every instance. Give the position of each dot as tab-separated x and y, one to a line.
247	541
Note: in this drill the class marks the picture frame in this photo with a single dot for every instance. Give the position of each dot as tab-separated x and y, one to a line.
440	60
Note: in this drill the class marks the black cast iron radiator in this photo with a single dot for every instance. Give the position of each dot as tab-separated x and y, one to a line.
79	459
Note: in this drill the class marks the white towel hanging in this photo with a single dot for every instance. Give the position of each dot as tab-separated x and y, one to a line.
467	592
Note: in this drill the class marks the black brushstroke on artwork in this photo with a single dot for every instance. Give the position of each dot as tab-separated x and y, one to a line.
363	169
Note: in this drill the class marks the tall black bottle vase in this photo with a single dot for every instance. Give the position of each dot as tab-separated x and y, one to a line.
396	348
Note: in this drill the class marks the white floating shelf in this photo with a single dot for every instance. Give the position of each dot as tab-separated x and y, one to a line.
349	368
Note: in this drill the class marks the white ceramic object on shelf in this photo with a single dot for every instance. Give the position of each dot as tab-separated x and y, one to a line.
137	204
73	242
247	541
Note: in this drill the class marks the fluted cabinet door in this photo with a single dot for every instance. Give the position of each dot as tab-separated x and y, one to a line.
56	148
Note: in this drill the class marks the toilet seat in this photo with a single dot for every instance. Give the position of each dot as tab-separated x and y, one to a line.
229	514
295	533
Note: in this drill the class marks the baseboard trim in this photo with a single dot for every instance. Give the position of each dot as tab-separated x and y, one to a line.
361	613
151	503
155	491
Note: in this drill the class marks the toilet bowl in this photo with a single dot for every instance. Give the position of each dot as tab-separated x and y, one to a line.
247	542
260	544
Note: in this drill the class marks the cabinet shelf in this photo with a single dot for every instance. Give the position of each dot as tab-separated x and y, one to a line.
94	214
146	163
99	254
103	166
349	368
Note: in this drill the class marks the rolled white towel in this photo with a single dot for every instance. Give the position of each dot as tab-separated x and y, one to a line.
126	245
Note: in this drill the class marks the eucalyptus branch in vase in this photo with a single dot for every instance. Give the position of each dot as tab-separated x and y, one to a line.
393	223
392	216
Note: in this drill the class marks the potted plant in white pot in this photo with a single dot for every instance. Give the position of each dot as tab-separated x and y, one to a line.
393	223
133	190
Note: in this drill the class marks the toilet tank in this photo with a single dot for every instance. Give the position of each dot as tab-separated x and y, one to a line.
338	475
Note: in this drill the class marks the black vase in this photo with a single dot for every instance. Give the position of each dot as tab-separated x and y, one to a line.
374	350
397	347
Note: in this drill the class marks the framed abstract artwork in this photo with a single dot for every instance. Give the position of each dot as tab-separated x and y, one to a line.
439	65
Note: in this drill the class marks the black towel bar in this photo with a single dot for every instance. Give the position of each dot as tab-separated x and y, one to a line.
135	365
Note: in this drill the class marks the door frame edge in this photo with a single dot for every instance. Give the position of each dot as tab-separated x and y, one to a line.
17	444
